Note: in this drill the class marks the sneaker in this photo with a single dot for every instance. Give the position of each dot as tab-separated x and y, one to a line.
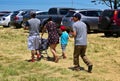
90	68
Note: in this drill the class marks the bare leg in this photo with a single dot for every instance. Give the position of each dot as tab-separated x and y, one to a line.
32	55
38	54
64	55
53	50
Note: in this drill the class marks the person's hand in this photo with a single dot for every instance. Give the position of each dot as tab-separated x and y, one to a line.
42	35
71	34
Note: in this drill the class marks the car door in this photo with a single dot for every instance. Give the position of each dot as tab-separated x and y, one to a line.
67	19
91	18
118	18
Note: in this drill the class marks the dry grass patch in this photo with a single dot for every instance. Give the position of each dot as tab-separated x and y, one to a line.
102	51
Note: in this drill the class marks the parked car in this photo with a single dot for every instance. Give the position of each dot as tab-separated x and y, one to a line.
109	22
2	13
57	13
5	11
17	17
88	16
38	13
5	20
27	16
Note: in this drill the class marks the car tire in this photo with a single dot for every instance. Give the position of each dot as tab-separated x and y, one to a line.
105	22
9	24
18	25
108	34
88	28
118	34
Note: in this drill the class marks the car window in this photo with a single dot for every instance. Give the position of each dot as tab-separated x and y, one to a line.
42	13
92	13
63	11
24	12
1	15
53	11
7	14
108	13
83	12
15	13
70	14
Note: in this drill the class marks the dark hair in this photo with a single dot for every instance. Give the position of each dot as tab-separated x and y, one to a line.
45	21
49	19
77	15
33	14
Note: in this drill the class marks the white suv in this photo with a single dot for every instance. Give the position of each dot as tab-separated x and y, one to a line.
5	20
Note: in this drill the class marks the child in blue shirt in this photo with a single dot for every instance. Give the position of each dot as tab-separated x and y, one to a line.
64	40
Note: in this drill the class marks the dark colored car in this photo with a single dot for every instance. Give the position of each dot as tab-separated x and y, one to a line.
27	16
109	22
88	16
57	13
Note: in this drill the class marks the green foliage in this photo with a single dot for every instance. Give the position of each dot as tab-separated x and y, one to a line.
113	4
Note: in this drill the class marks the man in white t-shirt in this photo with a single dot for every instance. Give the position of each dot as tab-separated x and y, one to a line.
80	36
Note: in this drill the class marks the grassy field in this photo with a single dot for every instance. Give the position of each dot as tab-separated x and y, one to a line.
102	51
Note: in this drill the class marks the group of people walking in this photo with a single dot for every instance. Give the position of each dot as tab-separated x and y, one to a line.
79	32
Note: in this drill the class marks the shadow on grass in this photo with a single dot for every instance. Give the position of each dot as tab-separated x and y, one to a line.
73	69
110	36
42	57
48	58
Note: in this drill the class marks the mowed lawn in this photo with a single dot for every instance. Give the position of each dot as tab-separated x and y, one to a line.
102	51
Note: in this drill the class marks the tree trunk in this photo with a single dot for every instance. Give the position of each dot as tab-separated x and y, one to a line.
111	4
115	4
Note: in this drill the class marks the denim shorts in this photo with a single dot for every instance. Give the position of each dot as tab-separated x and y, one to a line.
63	46
34	42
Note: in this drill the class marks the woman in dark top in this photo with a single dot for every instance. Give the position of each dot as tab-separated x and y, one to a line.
53	37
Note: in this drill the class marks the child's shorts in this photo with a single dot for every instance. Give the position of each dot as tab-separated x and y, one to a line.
63	46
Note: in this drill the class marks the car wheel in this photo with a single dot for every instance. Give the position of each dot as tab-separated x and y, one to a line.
88	28
108	34
118	34
9	24
105	22
6	26
18	25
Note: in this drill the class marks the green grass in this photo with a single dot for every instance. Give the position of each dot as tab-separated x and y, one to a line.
102	51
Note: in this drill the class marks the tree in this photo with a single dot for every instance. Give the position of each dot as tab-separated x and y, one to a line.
113	4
